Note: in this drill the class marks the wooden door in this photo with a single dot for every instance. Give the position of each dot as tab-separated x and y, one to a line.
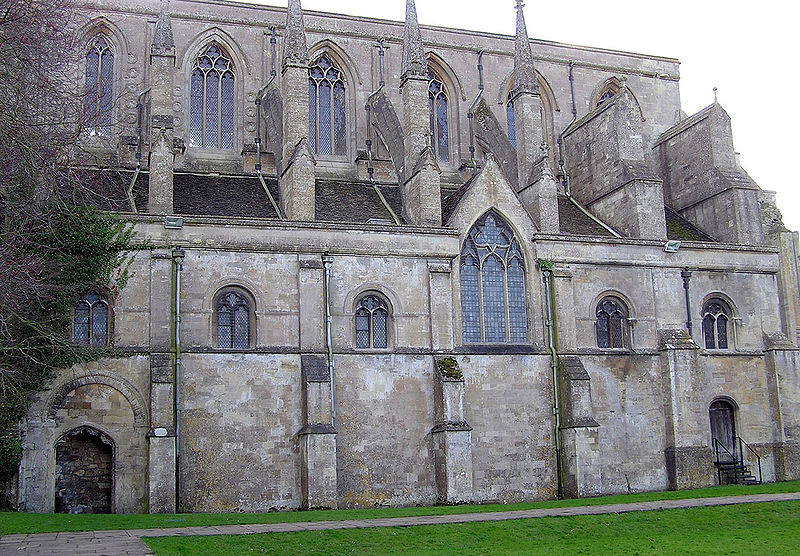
723	428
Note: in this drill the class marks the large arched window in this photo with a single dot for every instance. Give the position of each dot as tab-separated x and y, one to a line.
372	319
99	95
212	100
233	319
612	323
90	320
327	127
437	97
493	307
716	317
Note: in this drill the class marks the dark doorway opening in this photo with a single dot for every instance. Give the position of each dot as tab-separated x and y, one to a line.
84	472
723	429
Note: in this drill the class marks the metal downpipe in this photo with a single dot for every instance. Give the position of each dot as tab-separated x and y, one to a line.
139	109
178	255
547	277
327	261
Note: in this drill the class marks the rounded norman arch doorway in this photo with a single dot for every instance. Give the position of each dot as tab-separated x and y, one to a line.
84	472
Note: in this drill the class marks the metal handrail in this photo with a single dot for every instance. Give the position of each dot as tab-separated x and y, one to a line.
719	447
756	454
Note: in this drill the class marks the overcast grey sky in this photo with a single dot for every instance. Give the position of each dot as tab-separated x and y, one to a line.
747	50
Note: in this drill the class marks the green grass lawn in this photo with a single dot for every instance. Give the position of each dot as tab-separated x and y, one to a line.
771	528
19	522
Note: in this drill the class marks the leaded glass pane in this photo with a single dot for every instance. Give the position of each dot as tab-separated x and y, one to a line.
212	107
325	118
241	328
105	93
312	115
362	329
494	308
517	316
226	119
616	330
80	330
470	301
603	336
722	332
339	128
196	110
441	128
99	324
708	332
379	331
512	126
224	328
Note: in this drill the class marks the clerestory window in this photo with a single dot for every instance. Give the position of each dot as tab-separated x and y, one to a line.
327	127
90	320
372	320
437	97
233	319
716	318
612	323
493	306
212	100
99	89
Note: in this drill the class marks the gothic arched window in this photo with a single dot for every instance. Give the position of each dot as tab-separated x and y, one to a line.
437	97
372	319
327	128
90	320
99	94
233	319
512	127
212	100
493	308
611	323
716	316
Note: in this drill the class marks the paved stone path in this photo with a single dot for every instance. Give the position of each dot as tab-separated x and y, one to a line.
113	543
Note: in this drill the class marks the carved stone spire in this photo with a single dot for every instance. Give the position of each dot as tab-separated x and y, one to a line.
413	52
295	50
525	80
163	42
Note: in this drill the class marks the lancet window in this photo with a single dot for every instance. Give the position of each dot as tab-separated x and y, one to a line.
99	90
511	121
493	297
212	100
437	97
327	126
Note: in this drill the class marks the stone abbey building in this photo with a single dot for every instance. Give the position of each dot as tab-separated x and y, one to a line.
395	265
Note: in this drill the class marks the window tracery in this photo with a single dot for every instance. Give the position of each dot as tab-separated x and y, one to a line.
611	324
716	316
233	320
327	126
372	319
99	89
493	302
212	100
